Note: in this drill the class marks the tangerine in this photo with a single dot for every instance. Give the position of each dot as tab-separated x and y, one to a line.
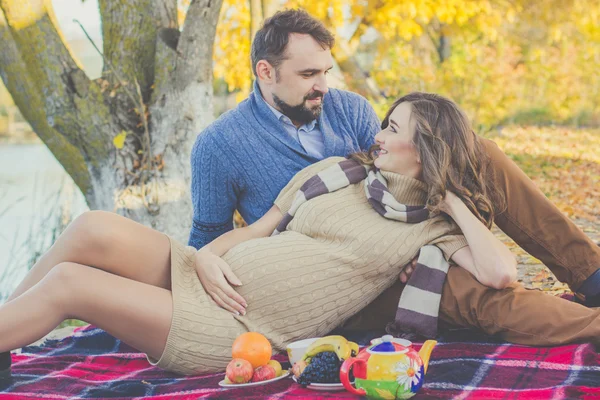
252	347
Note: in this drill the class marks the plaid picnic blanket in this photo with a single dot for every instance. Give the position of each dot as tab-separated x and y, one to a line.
465	365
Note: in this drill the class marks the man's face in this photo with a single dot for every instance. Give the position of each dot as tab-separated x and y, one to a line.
301	80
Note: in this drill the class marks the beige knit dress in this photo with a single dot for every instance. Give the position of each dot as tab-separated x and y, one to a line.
336	256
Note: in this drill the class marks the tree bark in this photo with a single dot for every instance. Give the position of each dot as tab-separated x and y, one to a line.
28	99
166	43
74	106
129	31
156	91
182	107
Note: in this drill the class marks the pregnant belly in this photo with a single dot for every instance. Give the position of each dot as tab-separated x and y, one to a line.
297	286
272	265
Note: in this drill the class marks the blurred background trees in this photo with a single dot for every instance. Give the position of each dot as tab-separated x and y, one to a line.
504	61
526	71
125	137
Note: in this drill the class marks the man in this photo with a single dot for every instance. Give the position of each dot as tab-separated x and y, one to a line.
292	119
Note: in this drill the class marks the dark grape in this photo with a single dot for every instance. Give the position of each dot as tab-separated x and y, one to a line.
323	368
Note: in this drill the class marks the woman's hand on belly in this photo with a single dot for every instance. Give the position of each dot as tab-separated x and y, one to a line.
217	277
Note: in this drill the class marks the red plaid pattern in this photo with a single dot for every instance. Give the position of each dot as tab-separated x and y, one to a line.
93	364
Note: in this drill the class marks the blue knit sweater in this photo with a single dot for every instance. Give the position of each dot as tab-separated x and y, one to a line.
244	158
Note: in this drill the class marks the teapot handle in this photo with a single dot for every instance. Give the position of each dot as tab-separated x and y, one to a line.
345	375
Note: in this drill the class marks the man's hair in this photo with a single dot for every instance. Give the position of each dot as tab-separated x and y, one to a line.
272	39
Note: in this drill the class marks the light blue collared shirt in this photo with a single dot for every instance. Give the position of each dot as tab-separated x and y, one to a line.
308	135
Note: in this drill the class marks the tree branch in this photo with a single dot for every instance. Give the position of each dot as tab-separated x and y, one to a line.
196	43
269	7
256	17
182	103
166	44
27	98
165	12
129	31
73	105
358	79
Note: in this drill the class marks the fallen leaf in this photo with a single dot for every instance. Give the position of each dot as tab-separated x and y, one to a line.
119	140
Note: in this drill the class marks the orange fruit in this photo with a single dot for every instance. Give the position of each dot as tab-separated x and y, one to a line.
252	347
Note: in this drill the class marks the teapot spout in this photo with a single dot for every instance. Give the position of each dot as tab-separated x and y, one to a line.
425	352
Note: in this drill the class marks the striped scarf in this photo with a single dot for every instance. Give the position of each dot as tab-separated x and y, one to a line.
419	303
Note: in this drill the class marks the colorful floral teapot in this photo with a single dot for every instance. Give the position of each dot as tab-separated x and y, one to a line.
387	369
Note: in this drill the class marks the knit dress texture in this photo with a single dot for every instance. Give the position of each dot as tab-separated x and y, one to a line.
336	256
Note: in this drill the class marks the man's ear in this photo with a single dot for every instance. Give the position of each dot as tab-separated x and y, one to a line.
265	71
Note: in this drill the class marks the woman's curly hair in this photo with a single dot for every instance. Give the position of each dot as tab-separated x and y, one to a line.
452	156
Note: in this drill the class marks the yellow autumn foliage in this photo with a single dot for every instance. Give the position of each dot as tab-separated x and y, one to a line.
504	61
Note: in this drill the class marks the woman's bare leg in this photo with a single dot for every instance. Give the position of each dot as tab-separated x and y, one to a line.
137	313
111	243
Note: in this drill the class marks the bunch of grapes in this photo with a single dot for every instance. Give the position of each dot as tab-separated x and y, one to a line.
323	368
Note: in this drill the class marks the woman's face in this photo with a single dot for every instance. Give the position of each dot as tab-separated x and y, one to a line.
398	153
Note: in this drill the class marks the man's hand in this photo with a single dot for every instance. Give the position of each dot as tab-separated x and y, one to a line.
408	270
216	276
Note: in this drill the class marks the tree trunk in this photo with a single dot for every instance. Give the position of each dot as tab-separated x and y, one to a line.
269	7
126	138
256	17
443	48
440	39
355	77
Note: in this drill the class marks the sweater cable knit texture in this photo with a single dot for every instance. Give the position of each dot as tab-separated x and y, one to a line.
336	256
243	159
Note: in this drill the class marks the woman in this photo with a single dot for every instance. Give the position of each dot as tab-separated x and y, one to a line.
332	259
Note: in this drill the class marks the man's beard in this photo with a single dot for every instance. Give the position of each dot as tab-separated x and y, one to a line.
301	113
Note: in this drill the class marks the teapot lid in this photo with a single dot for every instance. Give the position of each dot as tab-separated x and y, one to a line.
387	345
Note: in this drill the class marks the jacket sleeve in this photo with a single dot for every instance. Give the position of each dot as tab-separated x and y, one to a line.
213	194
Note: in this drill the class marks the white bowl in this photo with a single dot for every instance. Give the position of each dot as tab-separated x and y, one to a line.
296	350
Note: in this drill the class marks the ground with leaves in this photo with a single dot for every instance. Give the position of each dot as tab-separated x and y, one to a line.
565	164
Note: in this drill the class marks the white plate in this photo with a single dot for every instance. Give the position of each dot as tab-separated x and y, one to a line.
325	387
239	385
